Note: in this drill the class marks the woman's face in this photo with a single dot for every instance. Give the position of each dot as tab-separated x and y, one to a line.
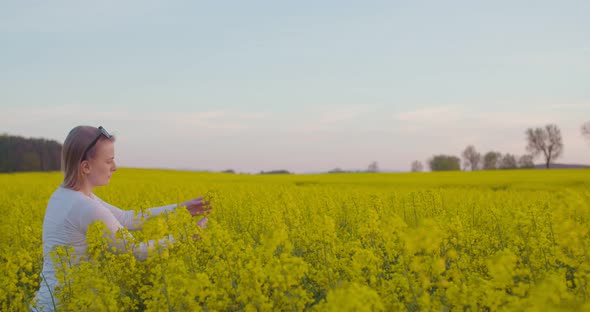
102	164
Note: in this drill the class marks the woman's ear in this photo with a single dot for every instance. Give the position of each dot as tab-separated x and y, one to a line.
85	167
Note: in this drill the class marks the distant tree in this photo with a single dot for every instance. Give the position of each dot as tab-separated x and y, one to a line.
373	167
417	166
491	160
444	163
228	171
586	130
31	161
471	158
28	154
546	141
336	170
275	172
526	162
508	161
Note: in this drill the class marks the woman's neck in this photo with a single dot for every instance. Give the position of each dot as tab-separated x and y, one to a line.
86	189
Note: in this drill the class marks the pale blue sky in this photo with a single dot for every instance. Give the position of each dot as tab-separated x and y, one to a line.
301	85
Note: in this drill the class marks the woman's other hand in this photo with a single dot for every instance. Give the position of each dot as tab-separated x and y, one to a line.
197	206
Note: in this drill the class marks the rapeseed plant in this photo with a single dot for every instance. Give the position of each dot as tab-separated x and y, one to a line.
326	243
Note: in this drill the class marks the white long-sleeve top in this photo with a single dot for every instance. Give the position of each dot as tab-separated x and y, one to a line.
68	215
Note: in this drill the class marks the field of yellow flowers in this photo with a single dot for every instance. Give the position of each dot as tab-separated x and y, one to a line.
497	240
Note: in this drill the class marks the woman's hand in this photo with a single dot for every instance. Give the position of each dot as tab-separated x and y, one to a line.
197	206
203	222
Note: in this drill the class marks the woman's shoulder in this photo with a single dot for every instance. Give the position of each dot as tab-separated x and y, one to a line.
69	204
65	196
65	192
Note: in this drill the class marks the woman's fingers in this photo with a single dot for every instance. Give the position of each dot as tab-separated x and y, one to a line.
198	207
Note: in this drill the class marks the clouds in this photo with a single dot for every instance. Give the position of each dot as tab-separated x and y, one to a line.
335	115
29	120
478	118
321	119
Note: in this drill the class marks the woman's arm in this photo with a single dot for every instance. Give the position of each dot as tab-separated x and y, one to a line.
131	219
105	214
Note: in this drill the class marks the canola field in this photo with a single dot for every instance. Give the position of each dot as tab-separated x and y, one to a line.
462	241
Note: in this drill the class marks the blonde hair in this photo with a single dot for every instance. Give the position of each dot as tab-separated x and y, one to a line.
72	153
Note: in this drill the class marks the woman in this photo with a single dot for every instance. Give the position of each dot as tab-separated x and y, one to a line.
88	161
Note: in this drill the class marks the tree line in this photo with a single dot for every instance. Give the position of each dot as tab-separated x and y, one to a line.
545	142
29	154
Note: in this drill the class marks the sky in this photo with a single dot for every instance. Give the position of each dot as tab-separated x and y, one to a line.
306	86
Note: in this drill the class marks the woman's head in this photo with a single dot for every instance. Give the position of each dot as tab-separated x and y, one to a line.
88	157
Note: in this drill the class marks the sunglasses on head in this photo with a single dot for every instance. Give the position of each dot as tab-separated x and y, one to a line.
104	132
